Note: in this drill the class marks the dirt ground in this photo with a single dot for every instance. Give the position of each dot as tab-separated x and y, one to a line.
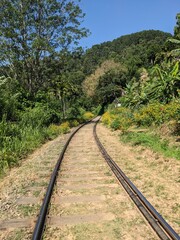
88	202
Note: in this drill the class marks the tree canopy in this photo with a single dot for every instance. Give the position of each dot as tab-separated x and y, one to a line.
138	49
31	31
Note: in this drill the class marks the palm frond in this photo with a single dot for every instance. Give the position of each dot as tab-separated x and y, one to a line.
172	40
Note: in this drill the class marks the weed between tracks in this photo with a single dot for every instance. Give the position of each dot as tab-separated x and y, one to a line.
20	234
28	210
113	230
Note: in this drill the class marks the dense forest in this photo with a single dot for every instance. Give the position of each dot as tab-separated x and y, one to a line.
49	84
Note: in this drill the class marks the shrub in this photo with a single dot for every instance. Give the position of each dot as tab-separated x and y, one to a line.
74	123
156	113
116	124
9	98
172	111
65	127
75	112
107	118
152	114
35	117
87	116
53	131
96	110
121	123
118	118
40	115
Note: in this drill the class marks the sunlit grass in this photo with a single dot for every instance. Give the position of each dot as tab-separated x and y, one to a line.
152	141
17	144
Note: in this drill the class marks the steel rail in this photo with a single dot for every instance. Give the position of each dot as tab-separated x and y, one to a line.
40	223
157	222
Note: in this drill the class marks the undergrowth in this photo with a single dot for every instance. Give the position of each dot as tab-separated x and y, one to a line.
154	115
18	139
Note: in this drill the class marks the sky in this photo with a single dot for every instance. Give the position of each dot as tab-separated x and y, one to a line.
110	19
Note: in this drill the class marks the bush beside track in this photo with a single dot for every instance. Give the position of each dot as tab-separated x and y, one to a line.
153	125
35	127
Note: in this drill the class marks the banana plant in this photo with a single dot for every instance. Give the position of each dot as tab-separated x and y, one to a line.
134	95
165	83
176	39
175	52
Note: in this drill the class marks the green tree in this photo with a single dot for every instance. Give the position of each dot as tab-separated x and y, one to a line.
177	27
8	98
111	85
31	31
176	39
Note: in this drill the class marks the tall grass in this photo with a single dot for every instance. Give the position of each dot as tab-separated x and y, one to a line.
17	139
35	126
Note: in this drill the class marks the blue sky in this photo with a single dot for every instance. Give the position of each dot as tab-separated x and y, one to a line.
110	19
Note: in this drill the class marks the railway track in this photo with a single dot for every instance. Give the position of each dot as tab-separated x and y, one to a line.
156	221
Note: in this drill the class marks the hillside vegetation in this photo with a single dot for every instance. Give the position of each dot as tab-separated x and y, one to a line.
145	99
123	61
138	49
